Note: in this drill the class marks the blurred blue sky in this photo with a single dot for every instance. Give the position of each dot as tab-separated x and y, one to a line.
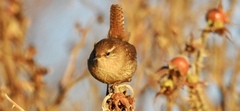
52	30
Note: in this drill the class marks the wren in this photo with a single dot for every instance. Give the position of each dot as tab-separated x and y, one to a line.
114	60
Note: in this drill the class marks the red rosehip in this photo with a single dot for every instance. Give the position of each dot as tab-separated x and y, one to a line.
181	64
217	15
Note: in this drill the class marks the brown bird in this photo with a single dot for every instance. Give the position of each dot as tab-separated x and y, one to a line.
113	60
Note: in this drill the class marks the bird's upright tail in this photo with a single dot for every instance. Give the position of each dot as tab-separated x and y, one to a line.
117	29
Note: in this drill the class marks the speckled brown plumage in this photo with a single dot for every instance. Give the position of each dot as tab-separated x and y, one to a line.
113	60
113	66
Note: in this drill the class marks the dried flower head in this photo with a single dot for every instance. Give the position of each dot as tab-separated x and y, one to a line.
118	99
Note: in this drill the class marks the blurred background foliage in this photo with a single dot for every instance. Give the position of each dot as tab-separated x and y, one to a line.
44	46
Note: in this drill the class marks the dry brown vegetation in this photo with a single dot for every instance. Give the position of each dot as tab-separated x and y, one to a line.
160	30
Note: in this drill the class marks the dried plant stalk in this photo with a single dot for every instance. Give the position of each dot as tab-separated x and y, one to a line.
14	104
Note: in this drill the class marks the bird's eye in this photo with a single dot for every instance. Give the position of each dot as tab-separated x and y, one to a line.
108	53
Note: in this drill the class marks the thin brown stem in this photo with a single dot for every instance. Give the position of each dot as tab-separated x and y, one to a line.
14	103
68	78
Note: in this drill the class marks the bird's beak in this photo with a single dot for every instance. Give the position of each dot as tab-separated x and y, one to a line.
96	57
